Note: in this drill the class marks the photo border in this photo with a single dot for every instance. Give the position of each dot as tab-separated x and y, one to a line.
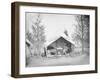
15	32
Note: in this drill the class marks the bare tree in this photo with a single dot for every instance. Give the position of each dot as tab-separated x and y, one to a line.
81	34
38	36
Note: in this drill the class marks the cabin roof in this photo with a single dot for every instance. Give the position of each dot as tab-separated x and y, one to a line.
57	37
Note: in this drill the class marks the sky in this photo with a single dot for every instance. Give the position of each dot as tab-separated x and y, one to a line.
54	24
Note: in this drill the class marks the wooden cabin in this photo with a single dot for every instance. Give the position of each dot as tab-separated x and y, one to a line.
60	46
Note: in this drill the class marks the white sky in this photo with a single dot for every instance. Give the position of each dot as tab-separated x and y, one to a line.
54	24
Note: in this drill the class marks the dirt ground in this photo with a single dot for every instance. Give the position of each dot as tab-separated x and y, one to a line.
73	59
